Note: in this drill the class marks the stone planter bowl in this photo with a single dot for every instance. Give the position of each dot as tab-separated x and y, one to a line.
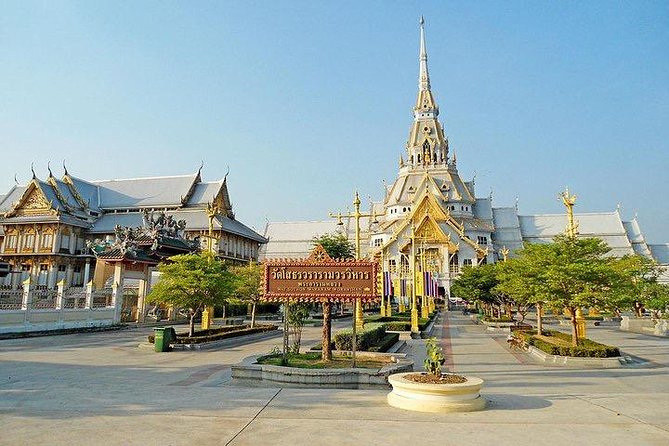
422	397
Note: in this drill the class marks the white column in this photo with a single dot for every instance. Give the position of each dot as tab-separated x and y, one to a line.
59	295
89	295
27	294
117	290
51	274
87	271
142	292
68	275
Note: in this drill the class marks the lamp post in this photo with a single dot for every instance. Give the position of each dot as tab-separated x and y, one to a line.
412	269
358	319
356	215
212	211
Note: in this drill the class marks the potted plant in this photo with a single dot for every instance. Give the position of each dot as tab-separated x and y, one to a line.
433	390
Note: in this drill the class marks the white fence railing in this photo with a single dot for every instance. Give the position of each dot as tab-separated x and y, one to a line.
34	308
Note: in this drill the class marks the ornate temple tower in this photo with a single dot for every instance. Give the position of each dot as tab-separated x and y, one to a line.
427	145
430	221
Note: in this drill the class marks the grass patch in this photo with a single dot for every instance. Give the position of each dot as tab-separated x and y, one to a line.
313	361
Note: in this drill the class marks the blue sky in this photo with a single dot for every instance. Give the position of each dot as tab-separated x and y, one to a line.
307	101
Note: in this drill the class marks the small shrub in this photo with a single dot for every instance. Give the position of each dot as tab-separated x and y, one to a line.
435	357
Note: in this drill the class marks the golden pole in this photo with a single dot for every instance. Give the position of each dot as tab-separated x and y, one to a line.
212	211
356	215
424	310
358	319
383	286
412	266
569	201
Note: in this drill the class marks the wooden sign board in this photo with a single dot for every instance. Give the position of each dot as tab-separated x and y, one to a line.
319	278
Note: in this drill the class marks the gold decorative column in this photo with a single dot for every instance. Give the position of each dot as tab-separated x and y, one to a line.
412	265
356	215
580	324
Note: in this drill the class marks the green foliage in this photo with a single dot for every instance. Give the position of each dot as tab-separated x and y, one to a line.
193	281
400	321
248	280
248	285
385	343
476	283
336	245
435	357
371	335
297	314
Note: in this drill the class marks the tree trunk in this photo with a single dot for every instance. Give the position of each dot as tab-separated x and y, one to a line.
253	315
326	338
574	327
191	328
540	322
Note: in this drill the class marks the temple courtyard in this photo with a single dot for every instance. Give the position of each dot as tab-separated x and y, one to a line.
101	388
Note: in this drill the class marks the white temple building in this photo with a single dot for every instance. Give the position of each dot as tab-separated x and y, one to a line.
451	226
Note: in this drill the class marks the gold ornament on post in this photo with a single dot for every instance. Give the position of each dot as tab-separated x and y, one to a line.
569	201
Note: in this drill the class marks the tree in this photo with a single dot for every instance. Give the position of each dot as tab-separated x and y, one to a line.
338	247
568	273
522	278
636	286
248	285
477	284
193	281
297	314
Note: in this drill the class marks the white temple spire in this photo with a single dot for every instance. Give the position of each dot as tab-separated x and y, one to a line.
423	76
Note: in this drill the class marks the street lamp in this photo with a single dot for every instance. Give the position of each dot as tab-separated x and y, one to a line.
358	320
357	215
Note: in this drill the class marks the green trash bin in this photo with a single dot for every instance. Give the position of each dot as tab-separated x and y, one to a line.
162	338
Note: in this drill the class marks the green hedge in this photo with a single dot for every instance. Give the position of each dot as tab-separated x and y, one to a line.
384	344
497	319
586	348
216	334
401	321
388	341
371	335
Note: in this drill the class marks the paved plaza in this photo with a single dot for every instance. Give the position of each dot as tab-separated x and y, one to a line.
101	388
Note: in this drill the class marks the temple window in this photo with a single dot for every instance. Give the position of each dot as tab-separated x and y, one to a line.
11	241
466	262
29	241
392	265
454	264
377	242
47	240
482	240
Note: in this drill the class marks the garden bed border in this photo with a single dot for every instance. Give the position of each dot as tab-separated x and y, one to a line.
250	372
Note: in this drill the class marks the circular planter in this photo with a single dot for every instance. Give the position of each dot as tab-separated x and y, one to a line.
421	397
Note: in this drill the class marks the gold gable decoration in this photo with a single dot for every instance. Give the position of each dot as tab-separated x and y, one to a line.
35	203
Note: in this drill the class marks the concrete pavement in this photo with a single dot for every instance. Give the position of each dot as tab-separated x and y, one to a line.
99	388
